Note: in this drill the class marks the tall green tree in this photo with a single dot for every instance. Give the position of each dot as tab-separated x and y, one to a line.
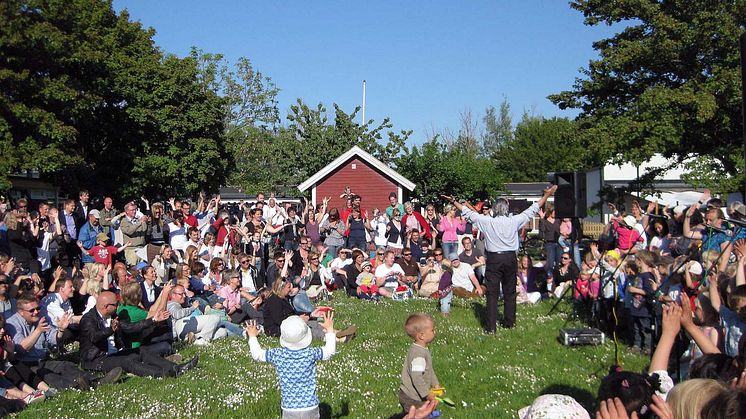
438	169
271	160
668	83
88	100
539	146
498	128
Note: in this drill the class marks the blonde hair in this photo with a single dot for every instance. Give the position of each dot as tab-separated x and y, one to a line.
416	323
688	397
131	294
11	220
94	270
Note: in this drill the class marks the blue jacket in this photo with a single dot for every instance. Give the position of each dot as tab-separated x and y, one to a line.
87	236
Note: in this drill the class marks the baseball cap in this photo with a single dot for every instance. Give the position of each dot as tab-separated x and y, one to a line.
94	213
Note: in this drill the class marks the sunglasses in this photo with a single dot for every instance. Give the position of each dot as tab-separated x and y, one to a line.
314	258
32	310
244	261
281	260
438	254
407	254
565	258
379	254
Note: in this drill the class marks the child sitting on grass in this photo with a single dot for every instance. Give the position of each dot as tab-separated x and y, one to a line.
367	288
417	375
295	363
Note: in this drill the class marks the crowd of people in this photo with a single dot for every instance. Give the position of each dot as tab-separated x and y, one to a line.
127	285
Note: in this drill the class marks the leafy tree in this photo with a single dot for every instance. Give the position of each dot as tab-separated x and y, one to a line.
668	83
89	101
540	146
268	160
436	169
498	128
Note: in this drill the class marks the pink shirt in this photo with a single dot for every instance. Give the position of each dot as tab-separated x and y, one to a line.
232	298
627	237
449	228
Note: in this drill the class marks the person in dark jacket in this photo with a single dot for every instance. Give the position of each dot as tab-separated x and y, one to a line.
100	334
22	241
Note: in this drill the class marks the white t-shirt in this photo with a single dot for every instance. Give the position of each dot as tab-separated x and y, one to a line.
461	276
338	263
379	225
177	236
383	271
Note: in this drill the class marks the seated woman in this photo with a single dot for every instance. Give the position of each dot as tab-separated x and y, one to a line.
316	279
349	274
564	274
277	308
165	264
430	273
184	278
96	281
157	339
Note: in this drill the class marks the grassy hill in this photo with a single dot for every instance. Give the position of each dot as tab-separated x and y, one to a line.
486	375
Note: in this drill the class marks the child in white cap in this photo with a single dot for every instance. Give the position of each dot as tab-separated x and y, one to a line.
295	363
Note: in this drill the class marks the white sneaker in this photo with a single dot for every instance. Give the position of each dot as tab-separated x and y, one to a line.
34	397
201	342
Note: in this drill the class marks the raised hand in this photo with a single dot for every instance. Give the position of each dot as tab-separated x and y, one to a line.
57	274
64	321
162	315
43	325
328	322
251	329
672	318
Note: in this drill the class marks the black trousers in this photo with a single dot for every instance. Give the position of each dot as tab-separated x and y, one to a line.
501	271
141	363
20	374
57	374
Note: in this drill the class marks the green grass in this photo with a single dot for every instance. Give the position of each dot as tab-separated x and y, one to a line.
486	375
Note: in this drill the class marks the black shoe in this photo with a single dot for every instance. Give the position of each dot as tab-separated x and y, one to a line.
111	377
181	369
83	384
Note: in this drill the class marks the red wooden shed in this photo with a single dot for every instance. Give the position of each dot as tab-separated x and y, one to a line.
364	174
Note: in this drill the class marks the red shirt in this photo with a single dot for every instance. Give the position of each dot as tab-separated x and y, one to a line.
102	254
191	220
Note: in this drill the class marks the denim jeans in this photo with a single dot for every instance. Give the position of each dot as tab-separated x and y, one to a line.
640	331
553	254
302	303
232	329
445	303
450	250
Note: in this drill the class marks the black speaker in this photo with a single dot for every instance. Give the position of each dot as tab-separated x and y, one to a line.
570	197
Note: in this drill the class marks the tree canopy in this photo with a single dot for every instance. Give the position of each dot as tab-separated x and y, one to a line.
668	83
88	100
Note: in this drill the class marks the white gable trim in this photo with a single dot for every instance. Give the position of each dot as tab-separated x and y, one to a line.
355	150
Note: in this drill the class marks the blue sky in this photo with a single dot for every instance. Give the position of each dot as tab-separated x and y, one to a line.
425	62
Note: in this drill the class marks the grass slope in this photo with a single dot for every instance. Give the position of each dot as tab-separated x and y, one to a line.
486	375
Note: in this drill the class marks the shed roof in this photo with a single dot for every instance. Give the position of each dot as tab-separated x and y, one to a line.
365	156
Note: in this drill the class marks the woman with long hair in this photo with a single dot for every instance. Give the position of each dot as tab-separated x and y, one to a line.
449	226
394	233
22	241
549	231
334	228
